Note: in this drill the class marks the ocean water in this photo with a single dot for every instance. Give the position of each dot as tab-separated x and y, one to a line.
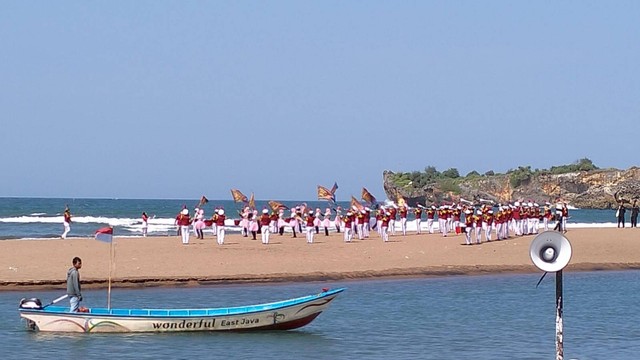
466	317
37	218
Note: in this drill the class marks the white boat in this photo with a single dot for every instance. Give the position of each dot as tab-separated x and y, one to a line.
280	315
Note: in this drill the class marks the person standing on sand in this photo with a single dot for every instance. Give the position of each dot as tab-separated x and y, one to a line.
265	223
220	226
183	221
66	222
73	285
634	213
565	216
620	214
145	223
310	221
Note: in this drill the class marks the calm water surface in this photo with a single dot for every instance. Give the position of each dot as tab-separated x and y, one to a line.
481	317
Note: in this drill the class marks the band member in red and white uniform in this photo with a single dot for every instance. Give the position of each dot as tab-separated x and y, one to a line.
220	226
417	212
547	215
360	223
379	214
392	220
183	221
265	224
487	224
348	224
366	226
384	226
431	215
517	218
455	214
442	220
468	221
310	226
403	210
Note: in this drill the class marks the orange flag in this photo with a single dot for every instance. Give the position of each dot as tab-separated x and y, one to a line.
238	196
367	197
276	205
252	202
356	204
325	194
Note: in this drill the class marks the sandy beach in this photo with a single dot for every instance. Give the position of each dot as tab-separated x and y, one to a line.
156	261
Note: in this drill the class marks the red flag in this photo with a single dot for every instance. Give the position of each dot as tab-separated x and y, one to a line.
105	234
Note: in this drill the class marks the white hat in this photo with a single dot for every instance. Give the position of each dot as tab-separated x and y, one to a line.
265	211
530	204
490	211
517	203
479	212
185	211
221	212
468	212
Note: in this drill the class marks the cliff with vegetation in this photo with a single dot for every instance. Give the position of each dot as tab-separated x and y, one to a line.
581	184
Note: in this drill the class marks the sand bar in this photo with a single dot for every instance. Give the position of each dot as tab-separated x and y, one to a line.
156	261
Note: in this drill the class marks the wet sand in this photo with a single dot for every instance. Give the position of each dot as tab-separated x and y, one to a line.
165	261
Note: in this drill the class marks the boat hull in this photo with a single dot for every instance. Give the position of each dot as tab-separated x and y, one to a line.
283	315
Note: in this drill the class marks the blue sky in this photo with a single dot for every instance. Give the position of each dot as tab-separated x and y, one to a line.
176	99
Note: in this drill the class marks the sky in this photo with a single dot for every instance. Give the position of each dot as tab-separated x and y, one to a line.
178	99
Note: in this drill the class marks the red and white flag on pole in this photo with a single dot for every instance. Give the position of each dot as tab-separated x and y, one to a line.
105	234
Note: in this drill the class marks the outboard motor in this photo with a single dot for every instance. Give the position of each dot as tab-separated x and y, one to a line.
32	303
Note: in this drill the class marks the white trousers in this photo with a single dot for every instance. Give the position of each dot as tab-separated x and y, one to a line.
67	228
265	234
220	235
184	231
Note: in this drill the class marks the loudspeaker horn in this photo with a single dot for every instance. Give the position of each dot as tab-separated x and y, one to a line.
550	251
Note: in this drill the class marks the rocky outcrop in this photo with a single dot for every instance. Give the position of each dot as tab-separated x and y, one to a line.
596	189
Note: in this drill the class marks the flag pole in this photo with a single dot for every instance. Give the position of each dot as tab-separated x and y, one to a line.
110	267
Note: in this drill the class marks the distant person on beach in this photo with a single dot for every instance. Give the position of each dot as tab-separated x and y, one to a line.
565	217
620	214
145	224
183	221
634	213
265	223
66	222
220	226
73	285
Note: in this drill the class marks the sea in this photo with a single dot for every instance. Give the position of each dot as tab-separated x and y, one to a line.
41	218
453	317
458	317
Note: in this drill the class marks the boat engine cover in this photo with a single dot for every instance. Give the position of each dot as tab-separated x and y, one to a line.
32	303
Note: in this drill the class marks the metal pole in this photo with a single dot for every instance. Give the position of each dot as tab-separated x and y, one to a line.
559	325
110	266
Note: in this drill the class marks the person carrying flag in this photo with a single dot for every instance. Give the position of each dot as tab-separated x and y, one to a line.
66	222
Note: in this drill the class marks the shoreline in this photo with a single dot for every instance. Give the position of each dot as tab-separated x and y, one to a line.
164	261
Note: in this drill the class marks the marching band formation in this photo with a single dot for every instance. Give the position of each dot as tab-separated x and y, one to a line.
475	221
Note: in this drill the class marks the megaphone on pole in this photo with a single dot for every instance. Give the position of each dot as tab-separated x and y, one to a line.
550	251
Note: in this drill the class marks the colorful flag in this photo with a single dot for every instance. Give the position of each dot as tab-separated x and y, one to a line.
203	200
238	196
276	205
325	194
367	197
355	204
334	188
252	202
105	234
